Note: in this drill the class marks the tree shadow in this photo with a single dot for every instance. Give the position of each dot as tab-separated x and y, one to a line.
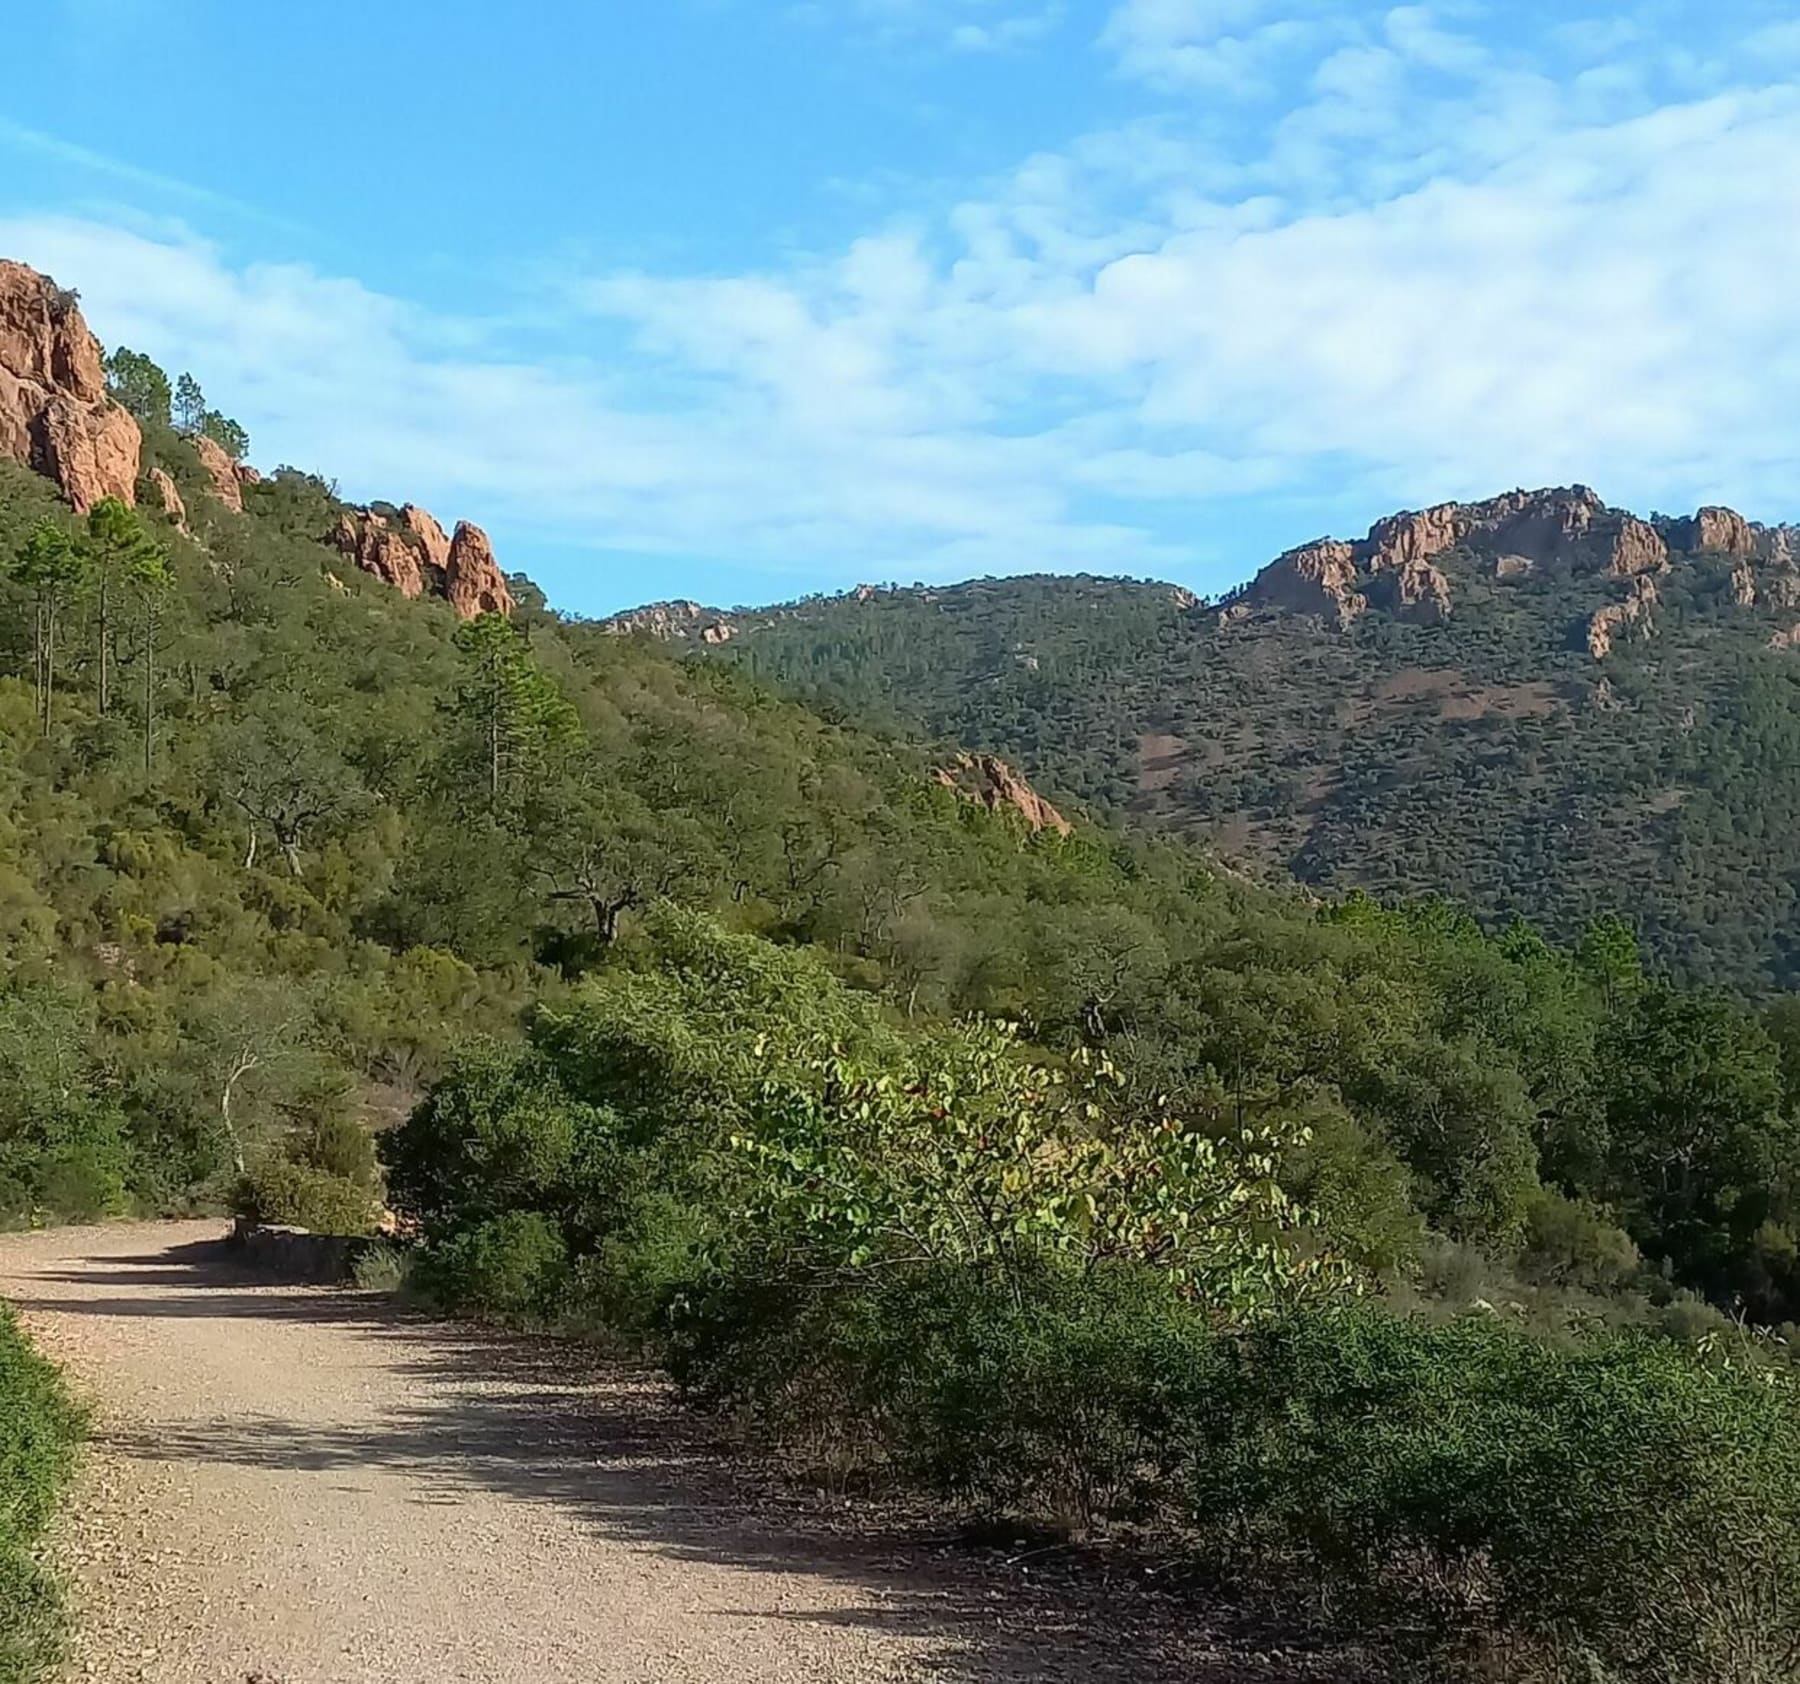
550	1421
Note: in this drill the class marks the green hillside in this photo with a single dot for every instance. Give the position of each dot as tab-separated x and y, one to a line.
1489	758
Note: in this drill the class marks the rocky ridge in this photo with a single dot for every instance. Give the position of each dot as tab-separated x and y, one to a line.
683	619
55	415
1566	531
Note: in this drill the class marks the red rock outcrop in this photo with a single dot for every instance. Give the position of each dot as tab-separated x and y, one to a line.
1405	540
54	412
473	581
433	540
222	469
169	497
408	550
366	538
1397	566
1318	578
1723	531
1633	616
680	618
999	788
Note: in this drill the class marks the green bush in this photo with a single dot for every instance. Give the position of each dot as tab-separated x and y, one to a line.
288	1194
1059	1398
1620	1510
510	1266
1617	1510
39	1429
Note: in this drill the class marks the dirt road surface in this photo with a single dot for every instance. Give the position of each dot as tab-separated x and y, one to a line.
303	1485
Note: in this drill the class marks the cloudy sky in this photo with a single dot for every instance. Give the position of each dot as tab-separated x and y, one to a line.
738	299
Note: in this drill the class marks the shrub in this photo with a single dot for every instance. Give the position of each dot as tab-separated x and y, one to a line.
298	1195
510	1266
1620	1507
1058	1398
38	1432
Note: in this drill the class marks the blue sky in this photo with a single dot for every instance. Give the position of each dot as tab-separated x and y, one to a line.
739	299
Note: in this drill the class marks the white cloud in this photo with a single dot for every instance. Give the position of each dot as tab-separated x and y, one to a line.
1438	271
969	26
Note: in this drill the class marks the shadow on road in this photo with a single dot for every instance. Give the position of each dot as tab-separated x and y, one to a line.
547	1421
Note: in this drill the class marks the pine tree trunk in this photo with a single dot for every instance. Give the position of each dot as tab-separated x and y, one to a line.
105	639
149	698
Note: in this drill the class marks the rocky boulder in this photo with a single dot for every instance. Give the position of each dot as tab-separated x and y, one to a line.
432	540
366	538
1721	531
54	412
169	497
222	469
1319	578
984	778
1632	617
473	581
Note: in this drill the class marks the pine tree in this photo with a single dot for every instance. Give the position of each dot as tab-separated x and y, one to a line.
51	567
190	404
117	548
137	383
226	433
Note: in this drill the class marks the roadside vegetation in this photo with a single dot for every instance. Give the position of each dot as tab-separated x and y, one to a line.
39	1430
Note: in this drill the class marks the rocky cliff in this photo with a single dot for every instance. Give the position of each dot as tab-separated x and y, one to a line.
408	550
54	412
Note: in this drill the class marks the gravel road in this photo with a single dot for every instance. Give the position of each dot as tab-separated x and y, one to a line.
300	1485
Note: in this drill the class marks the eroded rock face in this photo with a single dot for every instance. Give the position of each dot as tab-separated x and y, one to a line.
169	497
54	412
1319	578
408	550
473	581
366	538
1397	567
1632	617
680	618
222	469
1723	531
1789	639
993	783
433	540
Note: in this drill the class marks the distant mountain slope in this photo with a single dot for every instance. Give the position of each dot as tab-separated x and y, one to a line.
1539	704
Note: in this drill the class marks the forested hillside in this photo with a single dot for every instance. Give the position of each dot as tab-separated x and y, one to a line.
1051	1168
1485	752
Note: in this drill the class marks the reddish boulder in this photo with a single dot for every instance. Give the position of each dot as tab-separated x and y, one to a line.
365	538
169	497
54	412
1318	578
222	469
472	578
432	539
1723	531
984	778
1633	616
